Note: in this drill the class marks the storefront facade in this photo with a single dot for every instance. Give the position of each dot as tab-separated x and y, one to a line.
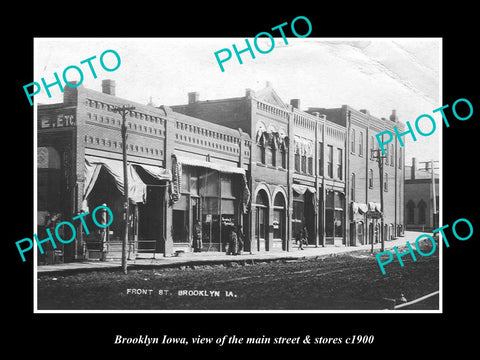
290	174
251	164
85	131
363	185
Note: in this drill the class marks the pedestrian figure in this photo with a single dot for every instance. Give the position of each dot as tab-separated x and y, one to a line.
103	233
302	237
232	241
197	237
241	239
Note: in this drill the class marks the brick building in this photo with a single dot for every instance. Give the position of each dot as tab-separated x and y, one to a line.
181	170
292	183
204	166
363	178
419	193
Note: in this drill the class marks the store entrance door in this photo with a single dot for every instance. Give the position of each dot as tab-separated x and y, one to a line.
150	221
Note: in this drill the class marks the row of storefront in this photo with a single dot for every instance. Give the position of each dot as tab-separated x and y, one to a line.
190	174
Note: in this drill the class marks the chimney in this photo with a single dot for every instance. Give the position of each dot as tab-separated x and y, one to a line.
249	92
365	111
268	84
414	168
394	116
108	87
193	97
70	93
295	103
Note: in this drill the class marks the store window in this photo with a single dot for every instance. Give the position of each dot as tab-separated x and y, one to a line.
298	215
334	214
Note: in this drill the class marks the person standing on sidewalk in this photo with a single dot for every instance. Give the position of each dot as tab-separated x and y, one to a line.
302	237
197	237
103	232
232	241
241	239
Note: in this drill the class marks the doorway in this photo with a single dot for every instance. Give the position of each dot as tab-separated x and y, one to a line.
261	221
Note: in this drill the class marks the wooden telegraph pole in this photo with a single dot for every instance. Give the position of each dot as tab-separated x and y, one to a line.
380	169
124	110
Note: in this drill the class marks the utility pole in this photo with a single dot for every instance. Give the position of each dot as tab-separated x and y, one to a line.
380	168
124	110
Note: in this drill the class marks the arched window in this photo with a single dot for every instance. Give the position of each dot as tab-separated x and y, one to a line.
297	160
304	163
279	217
261	220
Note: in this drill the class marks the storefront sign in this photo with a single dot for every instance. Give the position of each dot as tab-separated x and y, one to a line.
53	121
228	221
276	224
373	214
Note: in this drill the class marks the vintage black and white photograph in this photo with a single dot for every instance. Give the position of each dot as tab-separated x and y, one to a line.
275	174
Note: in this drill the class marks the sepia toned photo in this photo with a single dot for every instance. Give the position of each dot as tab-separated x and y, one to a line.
165	184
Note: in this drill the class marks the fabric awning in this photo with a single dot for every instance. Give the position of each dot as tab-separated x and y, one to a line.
179	161
137	189
359	208
362	208
372	206
156	171
184	160
300	189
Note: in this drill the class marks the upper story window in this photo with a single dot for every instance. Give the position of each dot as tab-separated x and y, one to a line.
352	139
330	161
339	163
392	155
360	144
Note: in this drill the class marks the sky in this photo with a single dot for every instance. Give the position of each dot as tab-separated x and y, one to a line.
377	74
